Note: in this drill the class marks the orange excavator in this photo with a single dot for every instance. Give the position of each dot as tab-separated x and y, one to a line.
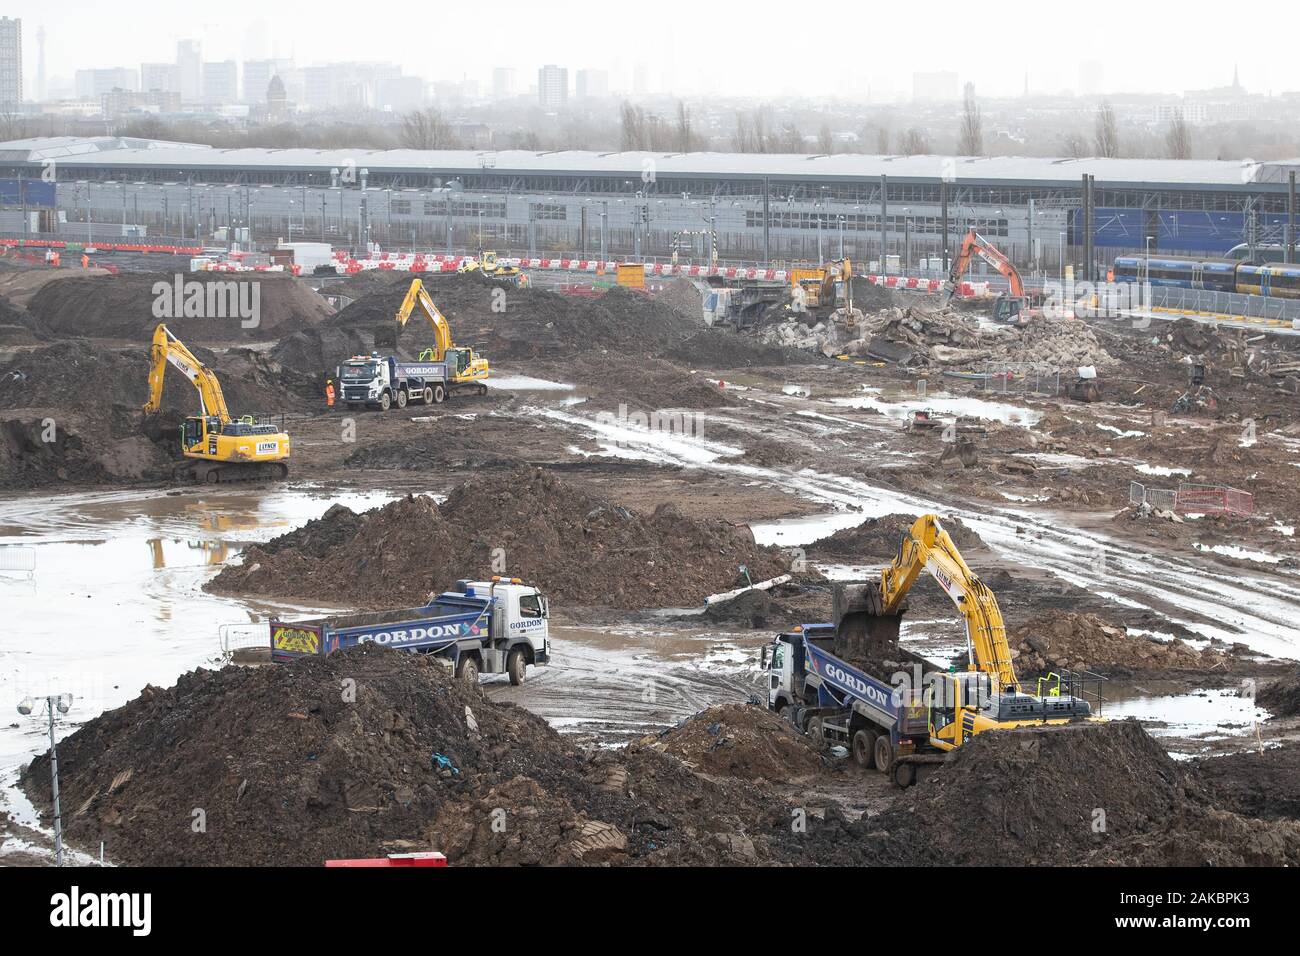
1012	306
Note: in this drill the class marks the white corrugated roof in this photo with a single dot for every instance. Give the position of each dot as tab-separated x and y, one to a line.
116	151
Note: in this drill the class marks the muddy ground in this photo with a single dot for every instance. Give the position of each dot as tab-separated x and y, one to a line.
632	406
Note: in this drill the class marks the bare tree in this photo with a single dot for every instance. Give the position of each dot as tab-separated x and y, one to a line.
426	129
12	125
633	134
685	137
791	139
1106	133
1178	138
882	140
970	142
914	143
825	140
1075	145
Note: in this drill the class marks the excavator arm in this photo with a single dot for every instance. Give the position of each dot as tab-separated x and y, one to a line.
417	297
928	547
168	348
975	244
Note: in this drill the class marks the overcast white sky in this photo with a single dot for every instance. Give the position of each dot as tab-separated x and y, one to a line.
727	46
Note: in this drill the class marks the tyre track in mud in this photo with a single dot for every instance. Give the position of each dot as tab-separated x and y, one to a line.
1258	609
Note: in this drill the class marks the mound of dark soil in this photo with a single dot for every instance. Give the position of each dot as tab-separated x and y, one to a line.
1257	784
317	351
40	378
510	324
878	539
1018	797
370	751
580	549
131	304
1057	639
740	740
18	326
1282	697
40	448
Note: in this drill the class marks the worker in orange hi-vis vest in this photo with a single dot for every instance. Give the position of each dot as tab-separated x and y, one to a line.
329	393
85	261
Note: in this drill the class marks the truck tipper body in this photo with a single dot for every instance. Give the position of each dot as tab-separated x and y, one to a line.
384	381
836	701
481	627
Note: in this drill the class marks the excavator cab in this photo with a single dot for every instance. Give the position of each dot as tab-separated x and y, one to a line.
1011	309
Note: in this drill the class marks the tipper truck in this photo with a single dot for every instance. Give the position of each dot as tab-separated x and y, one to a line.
481	627
384	381
850	681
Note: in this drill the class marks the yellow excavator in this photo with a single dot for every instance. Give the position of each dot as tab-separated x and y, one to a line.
217	448
833	679
464	368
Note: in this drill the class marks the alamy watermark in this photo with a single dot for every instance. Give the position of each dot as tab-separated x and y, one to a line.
208	299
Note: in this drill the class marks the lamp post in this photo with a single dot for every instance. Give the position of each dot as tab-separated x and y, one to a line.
61	702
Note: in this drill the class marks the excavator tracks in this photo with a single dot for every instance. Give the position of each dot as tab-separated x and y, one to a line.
229	472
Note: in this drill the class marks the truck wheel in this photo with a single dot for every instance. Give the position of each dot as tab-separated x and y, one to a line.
385	401
904	775
884	754
428	395
401	399
467	670
439	394
817	732
864	749
517	666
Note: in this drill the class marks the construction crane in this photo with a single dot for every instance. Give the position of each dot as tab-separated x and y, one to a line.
1012	306
463	366
217	448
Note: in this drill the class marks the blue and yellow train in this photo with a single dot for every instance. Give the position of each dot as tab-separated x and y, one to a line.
1215	275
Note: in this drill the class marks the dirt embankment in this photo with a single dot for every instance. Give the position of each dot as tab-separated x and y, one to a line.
580	549
368	751
18	326
210	307
1281	697
1100	794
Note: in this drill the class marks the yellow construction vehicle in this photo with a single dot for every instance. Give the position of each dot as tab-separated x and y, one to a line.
217	448
489	265
822	289
464	368
830	678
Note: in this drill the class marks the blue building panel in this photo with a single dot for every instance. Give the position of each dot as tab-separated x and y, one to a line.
30	192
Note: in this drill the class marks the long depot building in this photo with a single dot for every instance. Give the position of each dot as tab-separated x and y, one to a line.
752	208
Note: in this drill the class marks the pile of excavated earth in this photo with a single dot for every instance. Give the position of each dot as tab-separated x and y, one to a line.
580	549
1099	794
516	325
369	751
198	306
1058	640
743	741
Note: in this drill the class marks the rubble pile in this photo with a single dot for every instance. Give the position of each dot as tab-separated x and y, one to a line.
580	549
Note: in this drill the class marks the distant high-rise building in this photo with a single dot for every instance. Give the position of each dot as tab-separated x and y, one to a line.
40	64
277	100
503	83
640	78
221	82
552	87
189	69
257	77
163	77
938	87
93	84
11	61
591	84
